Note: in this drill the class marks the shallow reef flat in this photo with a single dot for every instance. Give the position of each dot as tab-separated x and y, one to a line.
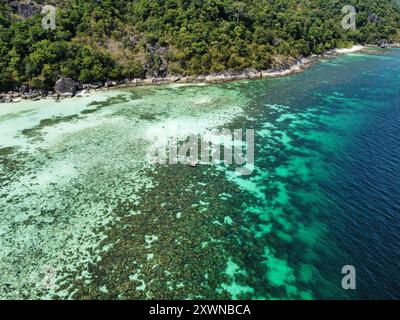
81	200
71	170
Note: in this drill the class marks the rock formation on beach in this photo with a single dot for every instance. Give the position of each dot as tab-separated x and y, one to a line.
65	87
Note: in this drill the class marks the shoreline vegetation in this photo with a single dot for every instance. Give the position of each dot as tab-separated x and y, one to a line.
91	44
296	66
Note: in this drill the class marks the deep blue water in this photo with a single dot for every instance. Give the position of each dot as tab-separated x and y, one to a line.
366	188
326	189
342	119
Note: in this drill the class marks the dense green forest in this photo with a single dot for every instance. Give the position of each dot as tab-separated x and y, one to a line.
115	39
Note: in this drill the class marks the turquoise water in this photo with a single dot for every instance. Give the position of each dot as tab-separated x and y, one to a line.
77	194
326	188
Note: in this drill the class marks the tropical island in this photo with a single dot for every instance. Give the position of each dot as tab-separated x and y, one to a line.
87	212
111	42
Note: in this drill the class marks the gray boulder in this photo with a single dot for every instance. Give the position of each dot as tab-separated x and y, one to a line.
383	43
110	83
96	85
65	87
24	9
158	64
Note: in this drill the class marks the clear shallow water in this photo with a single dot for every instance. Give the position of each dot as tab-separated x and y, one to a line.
76	192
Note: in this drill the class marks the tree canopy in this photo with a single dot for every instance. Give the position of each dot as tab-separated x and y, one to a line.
114	39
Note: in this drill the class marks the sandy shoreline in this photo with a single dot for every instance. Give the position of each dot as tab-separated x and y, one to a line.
349	50
298	66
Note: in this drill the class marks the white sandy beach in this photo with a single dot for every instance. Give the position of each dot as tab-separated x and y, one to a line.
350	50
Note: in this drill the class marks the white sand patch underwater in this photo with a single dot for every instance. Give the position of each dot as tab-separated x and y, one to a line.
66	166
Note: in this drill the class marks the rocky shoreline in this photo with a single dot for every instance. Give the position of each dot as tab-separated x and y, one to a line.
66	87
